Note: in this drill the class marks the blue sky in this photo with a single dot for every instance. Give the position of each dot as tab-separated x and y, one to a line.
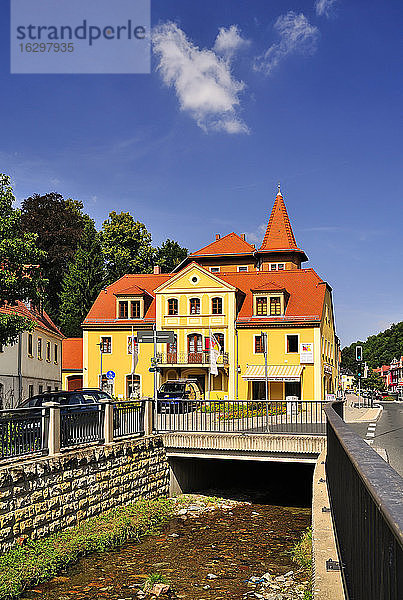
305	93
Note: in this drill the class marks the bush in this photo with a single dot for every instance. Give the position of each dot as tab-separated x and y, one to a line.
38	560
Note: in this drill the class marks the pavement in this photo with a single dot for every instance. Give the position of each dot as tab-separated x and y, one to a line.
381	428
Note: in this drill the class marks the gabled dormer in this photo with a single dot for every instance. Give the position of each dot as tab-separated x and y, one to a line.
269	300
132	303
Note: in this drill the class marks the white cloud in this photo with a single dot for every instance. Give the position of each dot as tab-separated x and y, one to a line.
297	35
256	237
202	80
229	41
324	8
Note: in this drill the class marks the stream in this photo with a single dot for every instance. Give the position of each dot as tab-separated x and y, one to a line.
203	555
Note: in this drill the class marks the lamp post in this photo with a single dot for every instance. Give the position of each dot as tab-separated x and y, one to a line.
100	378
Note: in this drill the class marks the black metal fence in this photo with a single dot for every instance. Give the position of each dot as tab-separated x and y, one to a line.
247	416
23	431
81	424
366	497
128	419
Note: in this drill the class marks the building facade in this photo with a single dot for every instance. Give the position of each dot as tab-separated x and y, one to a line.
234	291
72	364
33	363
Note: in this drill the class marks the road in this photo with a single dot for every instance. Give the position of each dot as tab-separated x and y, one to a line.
386	433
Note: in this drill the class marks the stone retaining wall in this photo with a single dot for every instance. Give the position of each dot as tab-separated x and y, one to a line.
44	495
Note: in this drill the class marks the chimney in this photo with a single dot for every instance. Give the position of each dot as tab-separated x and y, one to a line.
243	236
157	270
217	236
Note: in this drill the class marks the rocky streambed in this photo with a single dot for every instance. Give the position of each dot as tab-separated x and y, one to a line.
212	549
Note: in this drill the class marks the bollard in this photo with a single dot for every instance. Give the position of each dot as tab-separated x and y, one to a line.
148	416
54	427
108	421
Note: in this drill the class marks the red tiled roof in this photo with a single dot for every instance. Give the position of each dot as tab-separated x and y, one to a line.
305	288
279	234
40	318
104	307
229	244
72	354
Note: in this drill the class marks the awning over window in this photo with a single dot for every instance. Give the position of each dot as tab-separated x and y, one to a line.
274	373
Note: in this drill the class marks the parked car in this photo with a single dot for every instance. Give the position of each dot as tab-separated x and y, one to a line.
178	396
76	398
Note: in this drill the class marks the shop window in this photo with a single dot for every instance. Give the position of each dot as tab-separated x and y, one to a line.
216	306
292	343
173	306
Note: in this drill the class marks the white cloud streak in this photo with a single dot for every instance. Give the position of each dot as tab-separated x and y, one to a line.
229	41
202	80
324	8
297	36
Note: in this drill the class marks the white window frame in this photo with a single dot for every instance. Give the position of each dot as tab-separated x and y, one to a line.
257	335
216	269
242	268
111	338
222	305
167	309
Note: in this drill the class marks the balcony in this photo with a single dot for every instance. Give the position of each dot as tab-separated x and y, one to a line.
190	358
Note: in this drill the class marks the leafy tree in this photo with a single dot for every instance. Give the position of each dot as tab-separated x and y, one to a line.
126	246
373	382
377	350
82	281
20	275
169	255
59	224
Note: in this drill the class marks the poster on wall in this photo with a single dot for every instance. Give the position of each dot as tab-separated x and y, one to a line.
306	353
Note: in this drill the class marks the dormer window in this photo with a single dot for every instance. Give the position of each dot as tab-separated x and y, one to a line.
123	309
195	306
130	309
261	306
275	305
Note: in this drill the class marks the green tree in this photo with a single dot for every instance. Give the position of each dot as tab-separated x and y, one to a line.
126	246
82	281
377	350
59	224
169	255
373	382
20	275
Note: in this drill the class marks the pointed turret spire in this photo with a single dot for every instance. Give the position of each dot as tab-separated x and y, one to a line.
279	234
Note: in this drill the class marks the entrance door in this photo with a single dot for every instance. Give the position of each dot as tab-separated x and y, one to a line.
74	382
195	348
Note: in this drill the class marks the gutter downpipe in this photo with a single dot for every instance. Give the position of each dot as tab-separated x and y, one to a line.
19	368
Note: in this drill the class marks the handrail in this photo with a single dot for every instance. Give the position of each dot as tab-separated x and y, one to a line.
383	483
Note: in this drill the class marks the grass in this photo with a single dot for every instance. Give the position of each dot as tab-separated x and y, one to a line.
152	580
302	555
39	560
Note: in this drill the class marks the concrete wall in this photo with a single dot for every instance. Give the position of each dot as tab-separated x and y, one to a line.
39	497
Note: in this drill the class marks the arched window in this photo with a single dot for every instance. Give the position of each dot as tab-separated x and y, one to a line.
216	306
195	306
220	339
172	306
195	348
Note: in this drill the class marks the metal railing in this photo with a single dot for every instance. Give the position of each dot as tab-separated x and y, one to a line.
366	497
190	358
81	424
248	416
128	419
23	431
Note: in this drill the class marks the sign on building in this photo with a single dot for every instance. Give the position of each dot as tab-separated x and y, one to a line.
306	353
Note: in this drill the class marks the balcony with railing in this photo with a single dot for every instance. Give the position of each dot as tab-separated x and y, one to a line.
190	358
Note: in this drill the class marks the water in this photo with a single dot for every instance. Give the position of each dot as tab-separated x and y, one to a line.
233	544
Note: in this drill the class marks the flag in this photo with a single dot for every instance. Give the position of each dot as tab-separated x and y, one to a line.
134	351
215	350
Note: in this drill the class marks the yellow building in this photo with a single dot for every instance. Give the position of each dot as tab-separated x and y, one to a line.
233	291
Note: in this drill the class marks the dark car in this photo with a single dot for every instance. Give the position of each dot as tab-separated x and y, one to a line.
178	396
76	398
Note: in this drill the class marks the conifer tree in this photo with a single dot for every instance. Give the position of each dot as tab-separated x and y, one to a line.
82	281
